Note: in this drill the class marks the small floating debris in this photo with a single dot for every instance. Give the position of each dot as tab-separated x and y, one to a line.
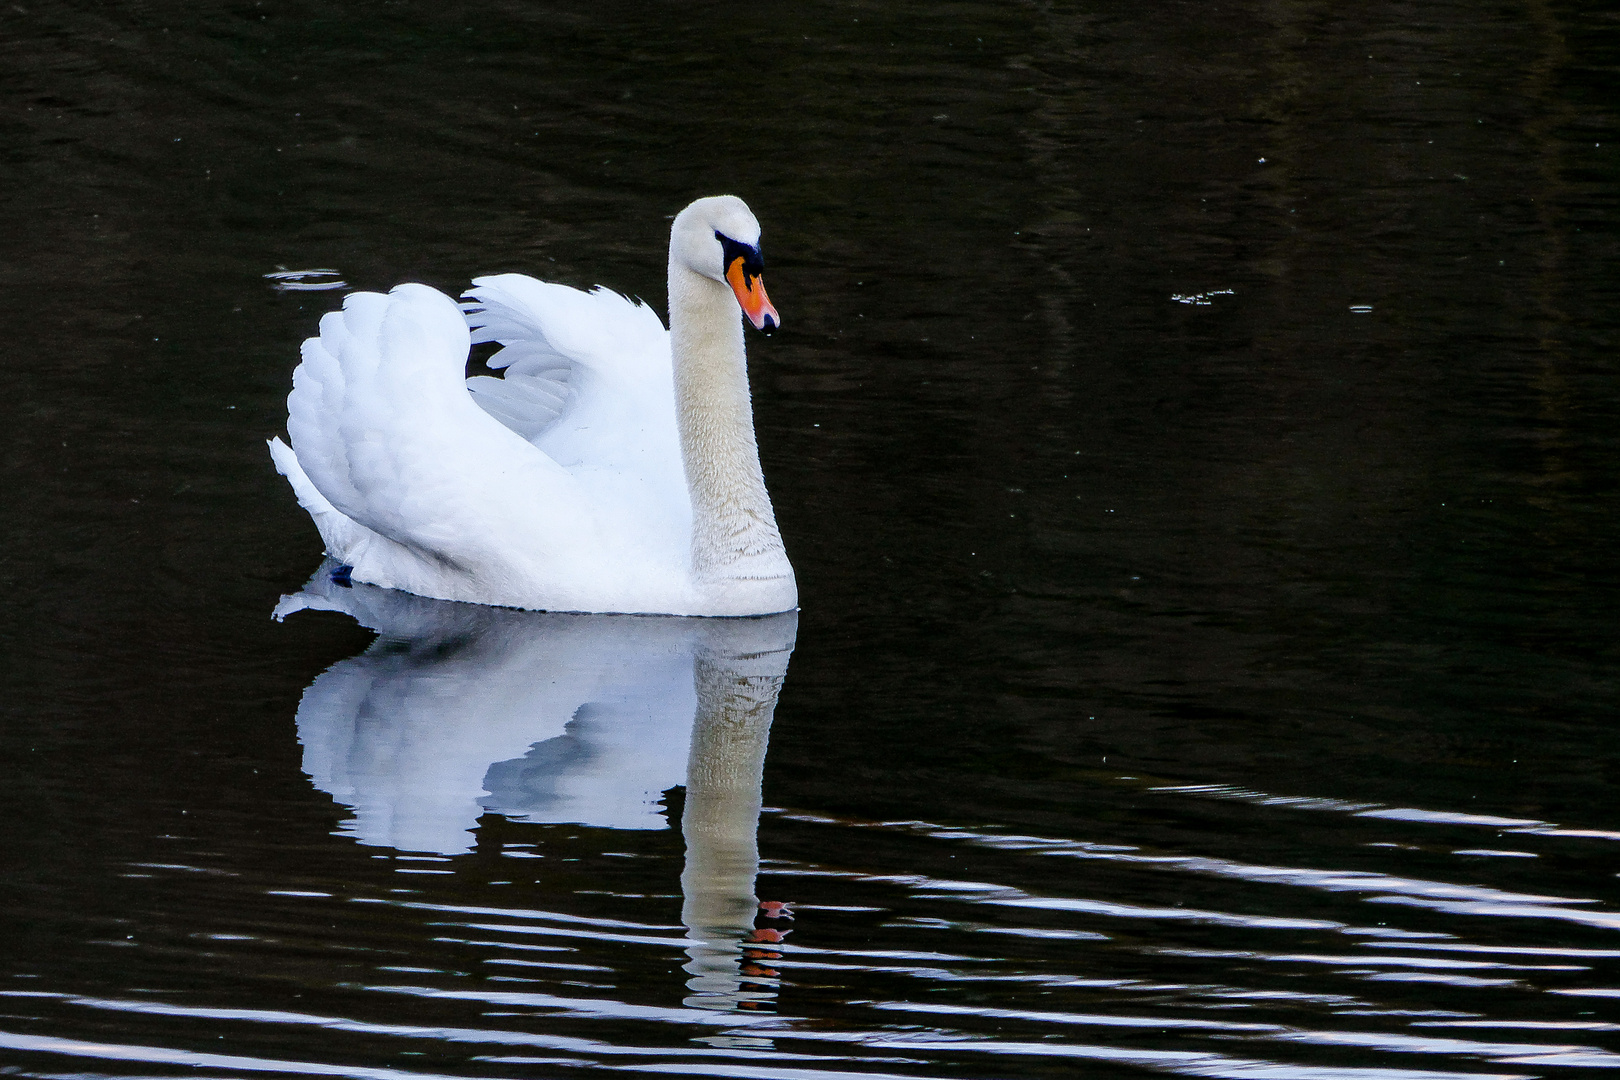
1201	299
285	280
1360	309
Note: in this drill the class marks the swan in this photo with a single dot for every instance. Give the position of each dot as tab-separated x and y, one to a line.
613	469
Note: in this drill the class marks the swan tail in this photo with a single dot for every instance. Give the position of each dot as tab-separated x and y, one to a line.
343	537
287	465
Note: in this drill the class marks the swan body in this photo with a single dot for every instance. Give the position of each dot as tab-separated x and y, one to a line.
613	469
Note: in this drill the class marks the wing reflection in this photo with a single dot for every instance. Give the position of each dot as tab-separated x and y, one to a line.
457	709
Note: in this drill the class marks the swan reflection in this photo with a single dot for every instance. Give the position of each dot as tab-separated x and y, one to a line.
459	709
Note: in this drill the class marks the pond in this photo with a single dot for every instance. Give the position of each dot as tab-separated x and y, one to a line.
1195	429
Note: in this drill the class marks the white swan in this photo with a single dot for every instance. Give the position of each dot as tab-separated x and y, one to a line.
613	469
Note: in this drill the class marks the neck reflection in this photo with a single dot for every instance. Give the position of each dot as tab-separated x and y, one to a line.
736	697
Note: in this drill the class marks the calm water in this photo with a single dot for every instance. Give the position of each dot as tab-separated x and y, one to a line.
1196	428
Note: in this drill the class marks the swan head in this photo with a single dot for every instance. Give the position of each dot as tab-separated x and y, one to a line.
718	237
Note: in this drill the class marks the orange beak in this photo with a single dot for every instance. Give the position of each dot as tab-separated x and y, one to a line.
750	290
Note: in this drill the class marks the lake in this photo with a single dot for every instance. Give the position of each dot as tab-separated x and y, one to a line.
1195	429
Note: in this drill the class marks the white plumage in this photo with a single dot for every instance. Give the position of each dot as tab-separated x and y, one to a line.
607	471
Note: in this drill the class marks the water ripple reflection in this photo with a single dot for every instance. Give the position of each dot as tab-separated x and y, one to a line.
506	751
502	752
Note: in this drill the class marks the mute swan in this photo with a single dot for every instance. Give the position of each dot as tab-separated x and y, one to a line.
613	469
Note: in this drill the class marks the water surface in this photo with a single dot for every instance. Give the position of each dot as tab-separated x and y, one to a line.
1195	430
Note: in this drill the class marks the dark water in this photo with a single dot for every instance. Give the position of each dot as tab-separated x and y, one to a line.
1196	430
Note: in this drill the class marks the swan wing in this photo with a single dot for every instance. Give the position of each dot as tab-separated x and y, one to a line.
589	381
587	375
386	433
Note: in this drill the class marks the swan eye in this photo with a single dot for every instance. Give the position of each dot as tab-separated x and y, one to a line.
753	263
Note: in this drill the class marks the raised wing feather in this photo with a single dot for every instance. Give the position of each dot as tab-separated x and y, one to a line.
557	343
384	429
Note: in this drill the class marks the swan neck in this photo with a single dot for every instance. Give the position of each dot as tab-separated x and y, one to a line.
734	533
